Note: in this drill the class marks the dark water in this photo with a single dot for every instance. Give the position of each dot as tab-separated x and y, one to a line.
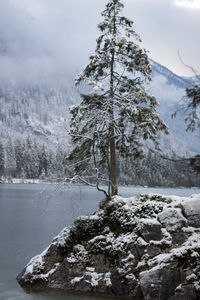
31	215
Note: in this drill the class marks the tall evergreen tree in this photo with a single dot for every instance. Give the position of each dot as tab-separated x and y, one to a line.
19	149
2	160
193	118
10	159
31	158
118	115
43	162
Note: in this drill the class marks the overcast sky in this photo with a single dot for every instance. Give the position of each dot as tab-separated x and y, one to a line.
43	37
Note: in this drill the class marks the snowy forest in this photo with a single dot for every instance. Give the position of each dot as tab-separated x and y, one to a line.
25	158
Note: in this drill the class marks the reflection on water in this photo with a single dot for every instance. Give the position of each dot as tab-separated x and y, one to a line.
31	215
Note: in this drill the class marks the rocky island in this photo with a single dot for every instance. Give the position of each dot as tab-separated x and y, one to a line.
143	247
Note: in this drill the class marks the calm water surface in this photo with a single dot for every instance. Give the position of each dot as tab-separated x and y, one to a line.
31	215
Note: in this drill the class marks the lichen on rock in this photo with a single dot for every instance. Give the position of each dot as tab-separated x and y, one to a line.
144	247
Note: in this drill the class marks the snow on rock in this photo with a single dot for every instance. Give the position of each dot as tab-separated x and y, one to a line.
172	219
78	255
36	264
144	247
61	239
191	209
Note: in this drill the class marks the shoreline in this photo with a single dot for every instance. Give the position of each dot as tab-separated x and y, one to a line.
40	181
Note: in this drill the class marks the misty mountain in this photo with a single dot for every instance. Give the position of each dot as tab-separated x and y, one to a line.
172	79
42	110
169	89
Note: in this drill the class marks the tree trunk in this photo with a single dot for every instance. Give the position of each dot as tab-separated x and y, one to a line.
113	163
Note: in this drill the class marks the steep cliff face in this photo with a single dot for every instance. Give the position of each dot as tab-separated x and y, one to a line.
145	247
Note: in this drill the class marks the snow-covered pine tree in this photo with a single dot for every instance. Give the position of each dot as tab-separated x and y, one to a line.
2	160
19	149
116	117
190	104
10	159
43	162
31	158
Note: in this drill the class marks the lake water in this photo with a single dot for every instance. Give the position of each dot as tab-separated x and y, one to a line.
31	215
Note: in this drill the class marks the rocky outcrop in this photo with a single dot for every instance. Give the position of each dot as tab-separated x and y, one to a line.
191	210
145	247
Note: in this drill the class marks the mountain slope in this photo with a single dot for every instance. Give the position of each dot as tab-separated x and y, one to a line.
169	89
42	110
172	78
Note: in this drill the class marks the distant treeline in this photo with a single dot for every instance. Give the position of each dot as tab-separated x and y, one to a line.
26	158
153	171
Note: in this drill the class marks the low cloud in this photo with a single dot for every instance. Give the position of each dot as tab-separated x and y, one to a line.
189	4
43	38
